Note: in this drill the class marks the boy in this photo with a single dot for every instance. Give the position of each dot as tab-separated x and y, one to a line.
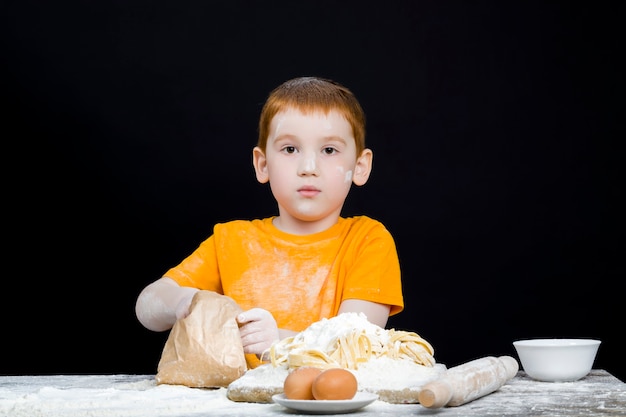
308	262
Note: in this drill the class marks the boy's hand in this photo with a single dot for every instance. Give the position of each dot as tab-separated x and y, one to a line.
258	330
182	308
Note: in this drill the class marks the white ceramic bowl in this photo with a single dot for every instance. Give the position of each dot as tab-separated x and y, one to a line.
557	360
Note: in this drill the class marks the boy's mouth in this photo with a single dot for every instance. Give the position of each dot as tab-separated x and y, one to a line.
308	191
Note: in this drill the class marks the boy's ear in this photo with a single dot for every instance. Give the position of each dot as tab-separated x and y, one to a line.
363	167
260	165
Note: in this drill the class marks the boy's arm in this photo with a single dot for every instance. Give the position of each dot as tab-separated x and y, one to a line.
376	313
162	302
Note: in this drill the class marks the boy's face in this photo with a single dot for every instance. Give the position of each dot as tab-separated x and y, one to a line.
310	162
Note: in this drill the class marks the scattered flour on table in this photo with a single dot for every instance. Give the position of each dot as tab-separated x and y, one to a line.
139	396
108	396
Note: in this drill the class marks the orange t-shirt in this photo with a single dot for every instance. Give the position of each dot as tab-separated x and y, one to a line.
299	279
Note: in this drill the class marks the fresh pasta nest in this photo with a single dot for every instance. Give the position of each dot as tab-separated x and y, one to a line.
346	341
390	363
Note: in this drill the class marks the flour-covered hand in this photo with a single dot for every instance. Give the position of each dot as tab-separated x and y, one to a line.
258	330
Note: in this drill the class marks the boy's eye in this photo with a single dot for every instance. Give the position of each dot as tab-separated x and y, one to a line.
289	149
329	151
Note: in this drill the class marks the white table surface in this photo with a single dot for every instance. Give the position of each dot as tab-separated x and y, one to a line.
598	394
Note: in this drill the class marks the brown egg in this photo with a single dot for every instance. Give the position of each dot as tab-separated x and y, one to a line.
298	383
335	384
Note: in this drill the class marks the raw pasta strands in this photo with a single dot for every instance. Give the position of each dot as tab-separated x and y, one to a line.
313	358
352	346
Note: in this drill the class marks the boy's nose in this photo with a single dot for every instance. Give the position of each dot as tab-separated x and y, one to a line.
308	165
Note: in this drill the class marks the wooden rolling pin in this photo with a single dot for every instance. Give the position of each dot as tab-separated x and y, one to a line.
466	382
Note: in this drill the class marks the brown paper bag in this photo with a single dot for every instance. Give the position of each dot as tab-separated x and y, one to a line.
204	349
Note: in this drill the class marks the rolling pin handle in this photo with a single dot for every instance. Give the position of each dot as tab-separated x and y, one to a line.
511	366
435	394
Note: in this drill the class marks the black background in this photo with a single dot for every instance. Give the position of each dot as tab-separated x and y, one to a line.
128	129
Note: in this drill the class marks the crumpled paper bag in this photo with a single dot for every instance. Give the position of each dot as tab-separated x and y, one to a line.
204	349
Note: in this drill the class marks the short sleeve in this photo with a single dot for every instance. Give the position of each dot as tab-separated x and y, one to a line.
199	269
374	274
